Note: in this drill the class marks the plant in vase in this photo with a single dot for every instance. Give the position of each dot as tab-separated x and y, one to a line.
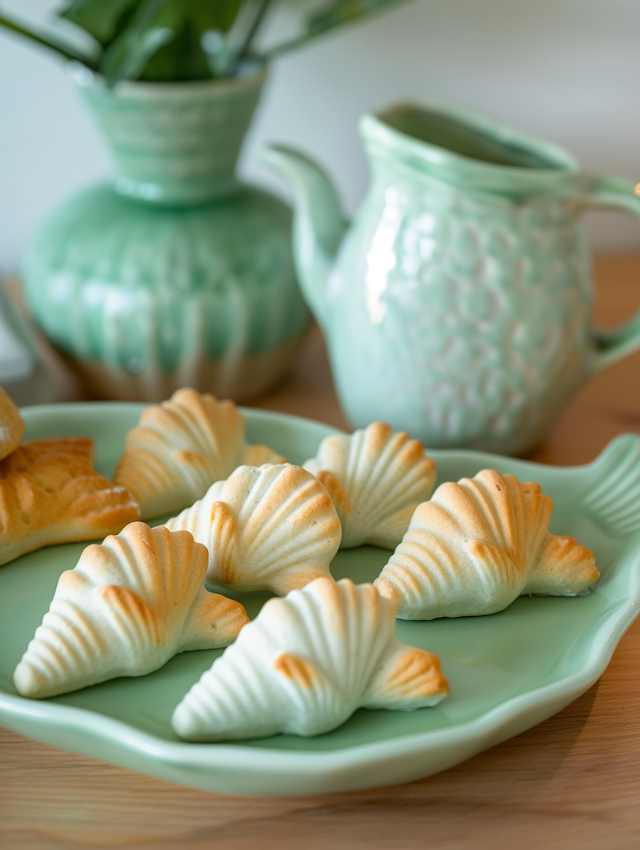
177	273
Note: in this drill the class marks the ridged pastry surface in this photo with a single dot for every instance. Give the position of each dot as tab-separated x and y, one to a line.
305	664
181	447
129	605
477	546
271	527
376	478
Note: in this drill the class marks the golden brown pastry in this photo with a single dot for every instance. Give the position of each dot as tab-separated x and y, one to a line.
377	478
477	546
271	527
181	447
50	493
11	425
305	664
129	605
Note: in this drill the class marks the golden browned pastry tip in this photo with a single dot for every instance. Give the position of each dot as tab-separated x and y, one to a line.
271	527
181	447
479	544
11	425
50	493
130	604
377	478
306	663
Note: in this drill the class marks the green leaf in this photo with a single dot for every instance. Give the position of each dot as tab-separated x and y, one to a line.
182	60
206	15
102	19
176	40
65	50
335	14
127	58
162	40
226	52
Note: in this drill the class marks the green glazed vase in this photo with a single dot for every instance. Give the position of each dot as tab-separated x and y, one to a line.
177	274
457	304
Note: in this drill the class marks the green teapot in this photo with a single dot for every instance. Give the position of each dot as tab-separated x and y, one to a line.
456	306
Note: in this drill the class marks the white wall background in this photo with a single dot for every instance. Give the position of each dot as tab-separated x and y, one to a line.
568	70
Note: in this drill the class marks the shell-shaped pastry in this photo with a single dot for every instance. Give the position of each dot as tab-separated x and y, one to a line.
180	447
11	425
305	664
479	544
129	605
266	528
50	493
376	477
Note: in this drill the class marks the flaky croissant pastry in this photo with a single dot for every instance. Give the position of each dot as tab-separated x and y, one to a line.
266	528
180	447
479	544
129	605
50	493
376	478
305	664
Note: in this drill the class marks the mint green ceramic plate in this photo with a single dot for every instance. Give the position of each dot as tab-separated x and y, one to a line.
507	672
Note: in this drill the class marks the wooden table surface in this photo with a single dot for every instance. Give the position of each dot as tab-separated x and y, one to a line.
573	781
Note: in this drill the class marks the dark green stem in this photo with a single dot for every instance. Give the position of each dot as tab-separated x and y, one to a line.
321	27
244	50
286	46
46	41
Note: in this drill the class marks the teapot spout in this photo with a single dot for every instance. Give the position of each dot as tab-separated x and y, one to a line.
318	224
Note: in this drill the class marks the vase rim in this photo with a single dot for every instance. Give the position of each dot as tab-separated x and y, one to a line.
85	78
174	144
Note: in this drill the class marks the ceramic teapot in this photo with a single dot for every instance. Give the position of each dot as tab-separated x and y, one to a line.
456	306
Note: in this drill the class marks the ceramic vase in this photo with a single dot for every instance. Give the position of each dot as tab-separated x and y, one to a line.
177	273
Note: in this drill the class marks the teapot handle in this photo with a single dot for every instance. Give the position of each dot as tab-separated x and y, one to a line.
615	193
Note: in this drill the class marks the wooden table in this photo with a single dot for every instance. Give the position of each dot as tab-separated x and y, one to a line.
573	781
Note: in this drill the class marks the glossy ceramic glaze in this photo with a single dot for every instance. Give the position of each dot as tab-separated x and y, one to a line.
177	274
457	305
174	143
507	671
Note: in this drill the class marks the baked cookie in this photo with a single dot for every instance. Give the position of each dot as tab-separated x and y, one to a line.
477	546
305	664
50	493
180	447
376	478
271	527
129	605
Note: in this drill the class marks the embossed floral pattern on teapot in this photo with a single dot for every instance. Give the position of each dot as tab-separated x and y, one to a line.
457	305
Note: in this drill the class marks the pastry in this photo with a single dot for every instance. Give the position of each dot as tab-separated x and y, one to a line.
11	425
50	493
305	664
272	527
129	605
479	544
376	478
180	447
